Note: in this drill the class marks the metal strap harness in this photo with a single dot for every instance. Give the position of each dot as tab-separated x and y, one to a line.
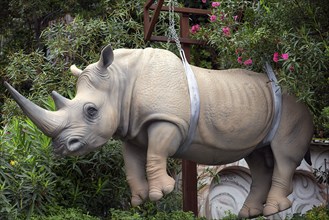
277	102
191	81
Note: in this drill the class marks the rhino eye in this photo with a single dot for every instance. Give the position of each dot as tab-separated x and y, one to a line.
90	110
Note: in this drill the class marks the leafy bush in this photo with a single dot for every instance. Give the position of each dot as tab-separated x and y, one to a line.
159	215
31	179
245	34
59	213
95	182
28	185
318	213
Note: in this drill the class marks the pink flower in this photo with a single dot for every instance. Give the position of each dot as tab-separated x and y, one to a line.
215	4
248	62
238	50
235	18
195	28
222	17
239	60
226	31
291	68
204	1
276	57
213	18
285	56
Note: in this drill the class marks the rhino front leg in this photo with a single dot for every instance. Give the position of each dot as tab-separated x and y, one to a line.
164	140
135	163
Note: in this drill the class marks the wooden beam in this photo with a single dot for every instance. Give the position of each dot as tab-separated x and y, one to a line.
150	25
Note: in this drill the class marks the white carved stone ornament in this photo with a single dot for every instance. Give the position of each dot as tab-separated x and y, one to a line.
228	191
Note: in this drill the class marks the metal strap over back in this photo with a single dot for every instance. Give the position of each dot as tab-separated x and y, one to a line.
277	102
191	81
194	104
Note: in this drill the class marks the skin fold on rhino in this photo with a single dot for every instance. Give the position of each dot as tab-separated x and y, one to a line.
141	96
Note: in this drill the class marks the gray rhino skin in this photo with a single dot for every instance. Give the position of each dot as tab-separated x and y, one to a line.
142	97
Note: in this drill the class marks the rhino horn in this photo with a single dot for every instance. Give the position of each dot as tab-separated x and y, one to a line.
106	58
59	100
47	121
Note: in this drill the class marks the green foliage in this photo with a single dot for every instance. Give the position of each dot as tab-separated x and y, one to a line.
159	215
31	179
95	182
28	185
59	213
318	213
245	34
124	215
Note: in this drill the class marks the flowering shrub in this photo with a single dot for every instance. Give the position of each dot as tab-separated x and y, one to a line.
246	34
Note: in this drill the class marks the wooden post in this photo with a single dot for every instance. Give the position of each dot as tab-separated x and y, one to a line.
189	171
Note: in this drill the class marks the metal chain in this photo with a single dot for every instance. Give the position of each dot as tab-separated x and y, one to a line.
172	31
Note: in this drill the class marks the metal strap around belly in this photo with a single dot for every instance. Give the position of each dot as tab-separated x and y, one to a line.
277	102
194	104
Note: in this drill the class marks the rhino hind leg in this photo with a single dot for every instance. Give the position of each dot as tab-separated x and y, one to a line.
164	140
260	163
289	147
135	160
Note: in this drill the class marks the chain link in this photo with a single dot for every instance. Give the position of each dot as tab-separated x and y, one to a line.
172	31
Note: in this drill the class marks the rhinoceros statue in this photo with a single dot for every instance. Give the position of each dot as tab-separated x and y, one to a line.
141	96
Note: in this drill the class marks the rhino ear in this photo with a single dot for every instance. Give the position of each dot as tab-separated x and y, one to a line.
75	70
106	58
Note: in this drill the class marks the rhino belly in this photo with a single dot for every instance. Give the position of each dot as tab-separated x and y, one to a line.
213	155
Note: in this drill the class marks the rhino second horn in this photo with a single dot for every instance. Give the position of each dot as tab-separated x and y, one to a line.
47	121
59	100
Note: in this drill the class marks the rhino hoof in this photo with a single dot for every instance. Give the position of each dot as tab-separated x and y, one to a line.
273	207
248	212
155	195
138	199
